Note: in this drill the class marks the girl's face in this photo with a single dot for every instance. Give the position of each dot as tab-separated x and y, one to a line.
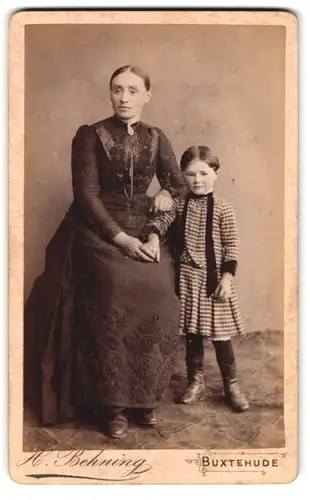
128	95
200	177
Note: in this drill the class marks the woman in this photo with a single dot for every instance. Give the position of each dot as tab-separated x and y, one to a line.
104	311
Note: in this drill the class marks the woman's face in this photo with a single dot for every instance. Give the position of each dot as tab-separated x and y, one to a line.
199	177
128	95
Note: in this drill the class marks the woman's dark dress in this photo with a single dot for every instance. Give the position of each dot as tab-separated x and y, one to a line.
105	327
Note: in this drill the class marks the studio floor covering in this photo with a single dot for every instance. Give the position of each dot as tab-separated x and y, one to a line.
210	425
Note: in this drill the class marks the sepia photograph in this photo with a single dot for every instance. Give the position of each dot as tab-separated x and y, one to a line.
153	281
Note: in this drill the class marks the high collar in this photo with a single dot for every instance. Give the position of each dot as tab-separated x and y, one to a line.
201	196
126	124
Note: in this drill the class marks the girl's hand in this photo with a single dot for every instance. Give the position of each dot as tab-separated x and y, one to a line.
162	201
131	247
223	290
152	247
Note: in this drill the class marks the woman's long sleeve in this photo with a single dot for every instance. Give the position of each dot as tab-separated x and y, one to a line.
168	172
86	185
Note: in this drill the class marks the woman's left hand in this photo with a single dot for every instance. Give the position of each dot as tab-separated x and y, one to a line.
223	290
162	201
152	247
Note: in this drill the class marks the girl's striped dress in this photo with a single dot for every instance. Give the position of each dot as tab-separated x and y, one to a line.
202	313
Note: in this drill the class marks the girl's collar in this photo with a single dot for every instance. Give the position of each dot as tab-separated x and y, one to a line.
201	196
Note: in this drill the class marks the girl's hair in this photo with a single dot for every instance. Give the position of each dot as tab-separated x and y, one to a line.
136	71
203	153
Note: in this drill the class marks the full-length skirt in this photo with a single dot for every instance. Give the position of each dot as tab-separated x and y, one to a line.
100	329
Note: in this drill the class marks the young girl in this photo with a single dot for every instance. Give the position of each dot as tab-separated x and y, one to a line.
206	261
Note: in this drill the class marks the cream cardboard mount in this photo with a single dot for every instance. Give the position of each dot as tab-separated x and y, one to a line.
48	456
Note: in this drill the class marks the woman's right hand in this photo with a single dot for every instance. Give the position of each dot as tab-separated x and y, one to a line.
131	247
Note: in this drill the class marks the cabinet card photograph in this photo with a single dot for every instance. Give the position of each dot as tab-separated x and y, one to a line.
153	247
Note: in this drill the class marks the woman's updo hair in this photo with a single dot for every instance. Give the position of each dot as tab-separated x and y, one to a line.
136	71
203	153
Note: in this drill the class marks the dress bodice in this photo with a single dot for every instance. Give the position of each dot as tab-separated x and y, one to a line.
112	171
195	232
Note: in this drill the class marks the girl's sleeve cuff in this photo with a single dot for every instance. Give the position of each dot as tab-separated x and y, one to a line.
148	230
230	267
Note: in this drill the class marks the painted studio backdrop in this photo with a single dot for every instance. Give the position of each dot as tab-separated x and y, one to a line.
216	85
222	86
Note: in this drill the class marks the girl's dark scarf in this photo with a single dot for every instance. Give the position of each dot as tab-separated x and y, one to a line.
212	277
